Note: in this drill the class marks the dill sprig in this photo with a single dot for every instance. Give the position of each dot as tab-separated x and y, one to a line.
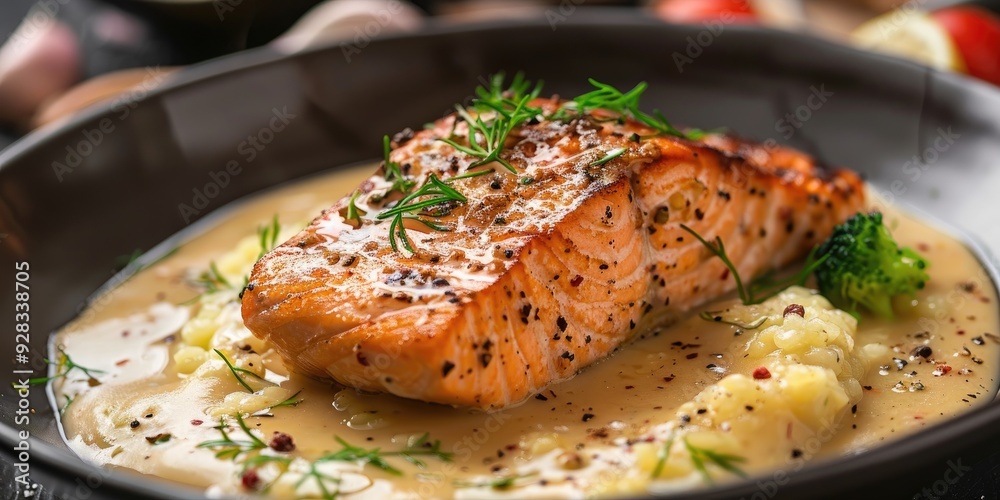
240	373
65	406
259	460
329	486
505	110
500	483
492	116
377	458
292	400
436	192
268	236
768	287
764	288
229	448
498	97
123	261
236	371
213	281
433	193
321	482
662	455
353	213
611	155
393	173
716	317
701	456
64	366
626	104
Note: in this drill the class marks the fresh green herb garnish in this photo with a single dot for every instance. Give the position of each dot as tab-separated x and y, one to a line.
321	482
329	486
258	460
494	113
437	193
159	438
719	250
213	281
65	406
761	290
393	172
499	97
352	210
859	264
486	139
769	287
236	371
268	236
420	447
716	317
662	456
611	155
701	456
124	261
505	110
291	401
63	367
433	193
469	175
626	104
500	483
229	448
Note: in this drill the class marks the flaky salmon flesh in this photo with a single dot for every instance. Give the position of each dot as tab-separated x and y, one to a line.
540	272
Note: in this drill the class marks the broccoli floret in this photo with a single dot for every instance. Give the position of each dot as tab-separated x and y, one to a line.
864	266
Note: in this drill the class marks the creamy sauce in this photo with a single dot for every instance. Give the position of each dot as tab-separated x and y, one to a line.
140	398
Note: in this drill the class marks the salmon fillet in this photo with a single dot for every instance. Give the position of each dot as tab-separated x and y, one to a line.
539	273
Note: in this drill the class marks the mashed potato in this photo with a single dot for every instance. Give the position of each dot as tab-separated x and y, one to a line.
795	377
799	376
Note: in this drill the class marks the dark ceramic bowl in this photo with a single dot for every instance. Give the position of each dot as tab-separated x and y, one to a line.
76	196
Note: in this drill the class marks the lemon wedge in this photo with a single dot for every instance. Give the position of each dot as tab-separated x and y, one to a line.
912	35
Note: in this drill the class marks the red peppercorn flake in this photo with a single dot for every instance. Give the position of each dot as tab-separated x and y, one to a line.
282	442
761	372
576	280
197	422
250	479
795	309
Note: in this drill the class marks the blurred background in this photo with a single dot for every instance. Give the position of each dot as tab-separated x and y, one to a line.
61	56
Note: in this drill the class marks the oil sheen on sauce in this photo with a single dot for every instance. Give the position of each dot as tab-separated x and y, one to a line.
128	335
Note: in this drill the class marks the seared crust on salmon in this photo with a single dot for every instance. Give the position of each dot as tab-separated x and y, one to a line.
542	272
